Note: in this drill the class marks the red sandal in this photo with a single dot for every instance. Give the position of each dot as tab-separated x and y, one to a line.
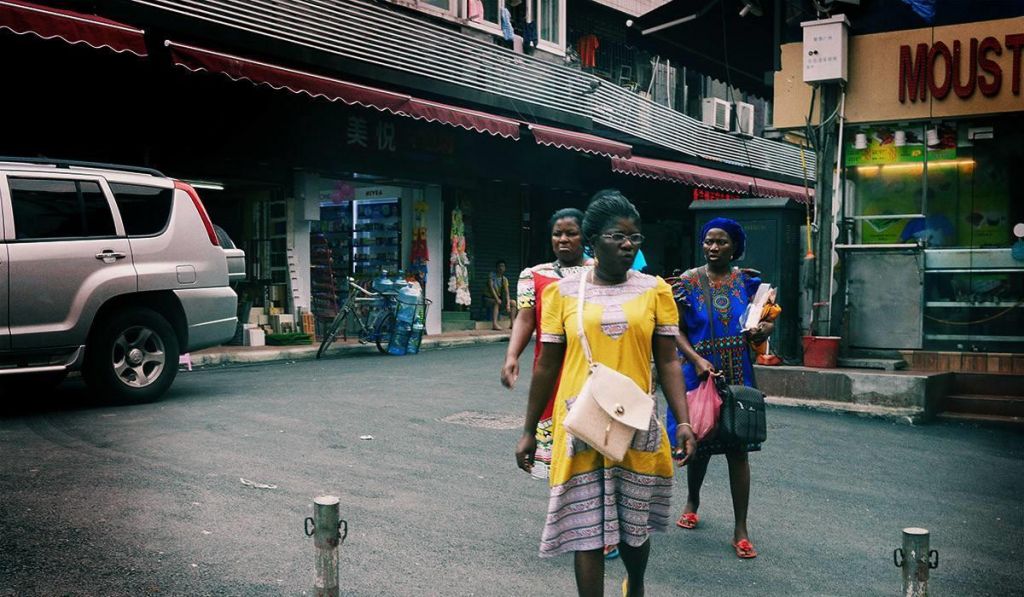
688	520
744	549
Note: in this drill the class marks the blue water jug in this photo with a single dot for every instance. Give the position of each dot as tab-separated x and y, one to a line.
415	337
383	283
399	338
408	300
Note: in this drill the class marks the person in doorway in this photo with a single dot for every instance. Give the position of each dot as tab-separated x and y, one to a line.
723	350
628	318
497	296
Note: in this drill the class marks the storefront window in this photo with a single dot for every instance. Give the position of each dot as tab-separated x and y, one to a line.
952	189
937	185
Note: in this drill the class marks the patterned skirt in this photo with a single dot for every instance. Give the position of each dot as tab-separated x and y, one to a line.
603	502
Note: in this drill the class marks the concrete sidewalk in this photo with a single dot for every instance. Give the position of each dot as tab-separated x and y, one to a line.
900	396
234	355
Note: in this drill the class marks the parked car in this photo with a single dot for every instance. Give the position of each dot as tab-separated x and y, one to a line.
111	270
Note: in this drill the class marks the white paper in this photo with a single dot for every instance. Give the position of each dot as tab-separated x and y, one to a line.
752	316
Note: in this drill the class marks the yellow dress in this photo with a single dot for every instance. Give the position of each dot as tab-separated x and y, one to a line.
594	501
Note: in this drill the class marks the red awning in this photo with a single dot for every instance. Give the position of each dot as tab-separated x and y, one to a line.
481	122
73	27
707	178
346	92
555	137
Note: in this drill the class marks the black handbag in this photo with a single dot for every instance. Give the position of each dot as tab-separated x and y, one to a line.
742	417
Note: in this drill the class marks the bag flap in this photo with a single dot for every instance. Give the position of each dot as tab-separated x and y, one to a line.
747	394
620	397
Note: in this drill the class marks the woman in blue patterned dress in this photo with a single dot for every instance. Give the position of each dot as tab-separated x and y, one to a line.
731	290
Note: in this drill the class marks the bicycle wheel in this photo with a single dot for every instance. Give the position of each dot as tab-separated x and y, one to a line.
332	332
384	328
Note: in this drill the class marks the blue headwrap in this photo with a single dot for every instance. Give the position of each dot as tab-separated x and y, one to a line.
732	228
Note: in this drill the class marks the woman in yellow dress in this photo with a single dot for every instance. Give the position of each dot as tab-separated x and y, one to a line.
627	315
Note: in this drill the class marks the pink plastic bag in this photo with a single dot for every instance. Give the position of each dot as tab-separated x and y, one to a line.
704	405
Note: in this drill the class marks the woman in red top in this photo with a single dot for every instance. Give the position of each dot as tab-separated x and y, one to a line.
567	244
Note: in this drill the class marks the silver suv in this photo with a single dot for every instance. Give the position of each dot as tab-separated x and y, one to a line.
112	270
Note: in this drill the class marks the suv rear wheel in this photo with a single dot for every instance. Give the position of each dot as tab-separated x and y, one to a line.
132	356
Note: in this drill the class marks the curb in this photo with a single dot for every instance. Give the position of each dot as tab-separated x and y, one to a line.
906	416
223	358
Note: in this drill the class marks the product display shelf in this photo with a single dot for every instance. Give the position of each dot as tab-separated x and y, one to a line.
974	300
324	286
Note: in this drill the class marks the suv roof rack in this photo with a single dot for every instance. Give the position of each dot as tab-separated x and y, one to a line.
81	164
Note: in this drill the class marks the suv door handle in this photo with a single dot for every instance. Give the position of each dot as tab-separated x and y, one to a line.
109	256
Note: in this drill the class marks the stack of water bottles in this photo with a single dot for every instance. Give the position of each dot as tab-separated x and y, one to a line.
408	330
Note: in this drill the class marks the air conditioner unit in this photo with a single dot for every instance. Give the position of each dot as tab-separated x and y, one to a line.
716	112
745	118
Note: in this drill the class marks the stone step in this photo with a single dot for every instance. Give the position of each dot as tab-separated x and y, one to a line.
457	326
871	363
486	325
985	404
455	315
990	420
988	383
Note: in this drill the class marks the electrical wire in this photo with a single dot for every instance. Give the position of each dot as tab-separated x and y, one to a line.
728	81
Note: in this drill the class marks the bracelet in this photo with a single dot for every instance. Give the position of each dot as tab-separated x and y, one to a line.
686	425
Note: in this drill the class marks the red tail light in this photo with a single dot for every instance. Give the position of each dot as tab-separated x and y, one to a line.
199	207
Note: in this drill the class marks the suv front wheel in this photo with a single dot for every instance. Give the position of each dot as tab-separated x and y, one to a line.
132	356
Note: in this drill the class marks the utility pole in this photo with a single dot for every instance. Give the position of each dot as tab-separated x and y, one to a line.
826	171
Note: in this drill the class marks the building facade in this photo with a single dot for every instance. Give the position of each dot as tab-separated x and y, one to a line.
930	211
336	139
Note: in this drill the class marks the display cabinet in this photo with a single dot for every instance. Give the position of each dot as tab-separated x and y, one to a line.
974	300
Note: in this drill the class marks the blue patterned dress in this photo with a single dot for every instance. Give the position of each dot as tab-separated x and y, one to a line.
731	351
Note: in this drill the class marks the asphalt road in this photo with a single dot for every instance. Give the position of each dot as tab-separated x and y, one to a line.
148	500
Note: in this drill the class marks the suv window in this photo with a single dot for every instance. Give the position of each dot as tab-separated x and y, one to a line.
144	210
48	208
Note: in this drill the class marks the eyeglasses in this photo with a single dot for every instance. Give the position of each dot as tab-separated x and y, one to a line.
619	238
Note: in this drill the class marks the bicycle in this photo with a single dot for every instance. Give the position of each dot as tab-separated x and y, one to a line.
373	311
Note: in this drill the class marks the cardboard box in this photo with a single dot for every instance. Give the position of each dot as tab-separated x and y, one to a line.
282	323
253	337
255	314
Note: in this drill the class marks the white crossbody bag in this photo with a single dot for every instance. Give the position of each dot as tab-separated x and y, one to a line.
610	407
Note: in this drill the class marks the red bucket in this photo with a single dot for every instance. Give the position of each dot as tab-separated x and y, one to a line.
821	351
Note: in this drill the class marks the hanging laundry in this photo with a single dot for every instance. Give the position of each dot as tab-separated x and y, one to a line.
530	35
458	283
506	24
587	47
476	10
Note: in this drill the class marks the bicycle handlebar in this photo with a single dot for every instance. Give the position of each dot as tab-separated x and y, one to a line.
370	293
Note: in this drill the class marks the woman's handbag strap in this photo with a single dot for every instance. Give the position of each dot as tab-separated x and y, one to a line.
580	302
705	283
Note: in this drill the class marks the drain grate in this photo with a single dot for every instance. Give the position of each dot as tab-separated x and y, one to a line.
471	418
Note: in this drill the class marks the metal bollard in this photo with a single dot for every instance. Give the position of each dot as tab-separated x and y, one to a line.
916	560
328	532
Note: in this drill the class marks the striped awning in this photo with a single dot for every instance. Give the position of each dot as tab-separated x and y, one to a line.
25	18
354	94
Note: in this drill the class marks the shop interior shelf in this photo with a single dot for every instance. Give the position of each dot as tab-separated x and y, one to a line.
949	304
977	337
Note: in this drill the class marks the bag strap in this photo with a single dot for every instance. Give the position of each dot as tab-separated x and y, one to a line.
581	301
705	283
